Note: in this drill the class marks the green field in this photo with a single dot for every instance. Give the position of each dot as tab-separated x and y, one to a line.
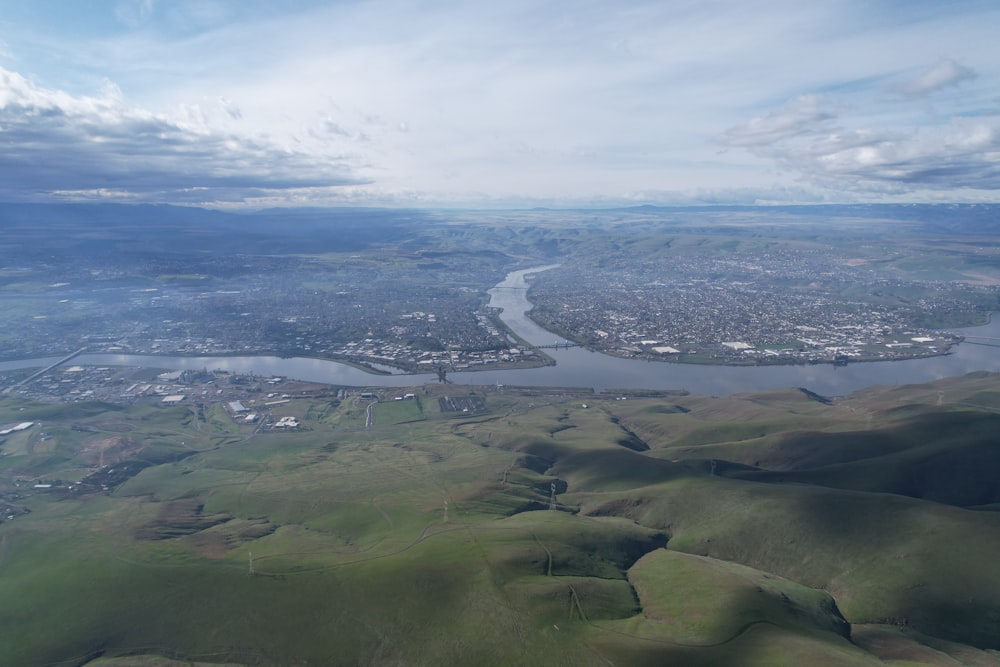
779	528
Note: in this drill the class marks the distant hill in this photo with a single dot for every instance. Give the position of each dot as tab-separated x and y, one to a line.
143	228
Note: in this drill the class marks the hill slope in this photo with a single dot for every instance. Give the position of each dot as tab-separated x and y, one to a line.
778	528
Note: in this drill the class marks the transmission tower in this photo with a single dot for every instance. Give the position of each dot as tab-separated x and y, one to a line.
552	497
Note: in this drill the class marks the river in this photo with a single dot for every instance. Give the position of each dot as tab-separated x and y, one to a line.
577	367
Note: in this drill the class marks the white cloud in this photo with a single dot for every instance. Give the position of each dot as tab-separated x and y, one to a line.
97	146
134	13
813	142
230	108
943	74
805	115
965	153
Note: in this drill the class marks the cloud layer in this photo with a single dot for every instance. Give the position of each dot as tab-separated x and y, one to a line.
944	73
826	145
528	102
100	147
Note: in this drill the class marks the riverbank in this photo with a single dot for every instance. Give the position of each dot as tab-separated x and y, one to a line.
578	367
696	359
916	347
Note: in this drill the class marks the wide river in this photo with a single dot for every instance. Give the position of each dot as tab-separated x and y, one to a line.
576	367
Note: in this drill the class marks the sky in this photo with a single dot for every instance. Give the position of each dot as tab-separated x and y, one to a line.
439	103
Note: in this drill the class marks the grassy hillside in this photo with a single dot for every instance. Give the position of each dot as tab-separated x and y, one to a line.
780	528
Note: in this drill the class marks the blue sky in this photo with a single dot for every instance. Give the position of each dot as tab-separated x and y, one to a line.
233	103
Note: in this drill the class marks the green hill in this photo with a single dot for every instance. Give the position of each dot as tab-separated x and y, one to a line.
949	458
778	528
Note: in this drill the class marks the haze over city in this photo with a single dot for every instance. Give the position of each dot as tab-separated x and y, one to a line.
386	103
